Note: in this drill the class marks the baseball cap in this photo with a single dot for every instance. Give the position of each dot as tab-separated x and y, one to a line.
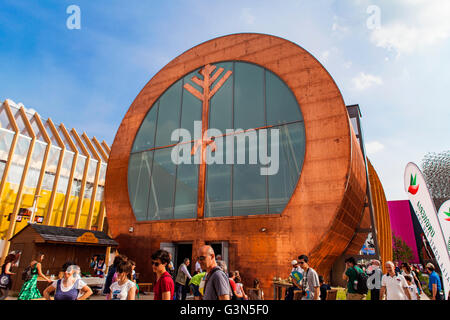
294	262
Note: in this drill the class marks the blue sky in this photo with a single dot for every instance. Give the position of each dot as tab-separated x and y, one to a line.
397	71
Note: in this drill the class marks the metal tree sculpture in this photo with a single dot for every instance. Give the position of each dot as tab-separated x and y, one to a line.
204	141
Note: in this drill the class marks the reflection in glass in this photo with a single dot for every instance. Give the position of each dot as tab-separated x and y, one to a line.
186	191
291	153
218	190
168	115
248	96
281	105
249	186
91	170
162	194
221	106
81	162
145	137
139	171
6	138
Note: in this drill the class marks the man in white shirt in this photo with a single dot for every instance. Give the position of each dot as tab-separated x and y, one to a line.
198	267
394	285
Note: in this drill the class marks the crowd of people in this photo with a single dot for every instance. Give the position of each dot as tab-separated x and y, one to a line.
212	280
399	283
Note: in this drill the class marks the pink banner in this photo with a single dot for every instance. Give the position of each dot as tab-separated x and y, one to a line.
401	224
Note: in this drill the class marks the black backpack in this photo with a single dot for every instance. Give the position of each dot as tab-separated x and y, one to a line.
361	286
26	274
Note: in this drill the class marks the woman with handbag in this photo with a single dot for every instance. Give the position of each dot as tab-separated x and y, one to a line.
29	289
5	275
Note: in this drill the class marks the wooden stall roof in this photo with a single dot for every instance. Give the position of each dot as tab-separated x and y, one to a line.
70	235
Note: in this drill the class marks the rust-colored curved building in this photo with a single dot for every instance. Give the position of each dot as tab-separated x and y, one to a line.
259	221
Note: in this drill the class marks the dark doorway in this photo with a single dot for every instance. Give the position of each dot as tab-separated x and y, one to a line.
183	250
217	247
220	248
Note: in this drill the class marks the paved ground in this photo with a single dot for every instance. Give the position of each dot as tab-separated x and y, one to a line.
148	296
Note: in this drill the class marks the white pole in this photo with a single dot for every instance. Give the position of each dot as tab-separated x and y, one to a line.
33	211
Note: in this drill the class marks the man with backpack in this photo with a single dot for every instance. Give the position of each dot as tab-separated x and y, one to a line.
216	285
356	280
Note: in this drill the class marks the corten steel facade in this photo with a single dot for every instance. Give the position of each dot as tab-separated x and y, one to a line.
325	208
48	174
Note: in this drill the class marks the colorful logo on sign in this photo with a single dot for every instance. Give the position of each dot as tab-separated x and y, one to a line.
413	188
448	215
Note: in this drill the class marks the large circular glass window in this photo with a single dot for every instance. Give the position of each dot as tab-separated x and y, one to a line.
252	152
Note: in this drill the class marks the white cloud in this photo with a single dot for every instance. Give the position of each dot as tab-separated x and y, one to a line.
428	24
363	81
247	16
374	147
324	56
338	28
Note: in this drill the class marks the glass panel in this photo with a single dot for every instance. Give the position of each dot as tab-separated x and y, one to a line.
139	171
161	196
145	138
248	96
53	159
91	170
2	168
38	154
36	130
76	188
186	190
354	123
19	121
15	173
249	186
4	120
99	194
101	179
49	179
21	151
64	139
168	114
281	104
63	183
50	134
218	190
86	146
88	191
291	148
221	104
67	163
32	178
6	138
80	167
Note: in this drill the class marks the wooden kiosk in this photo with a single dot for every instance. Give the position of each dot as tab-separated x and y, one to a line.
59	245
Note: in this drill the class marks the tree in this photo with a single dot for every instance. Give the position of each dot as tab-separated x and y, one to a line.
402	252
